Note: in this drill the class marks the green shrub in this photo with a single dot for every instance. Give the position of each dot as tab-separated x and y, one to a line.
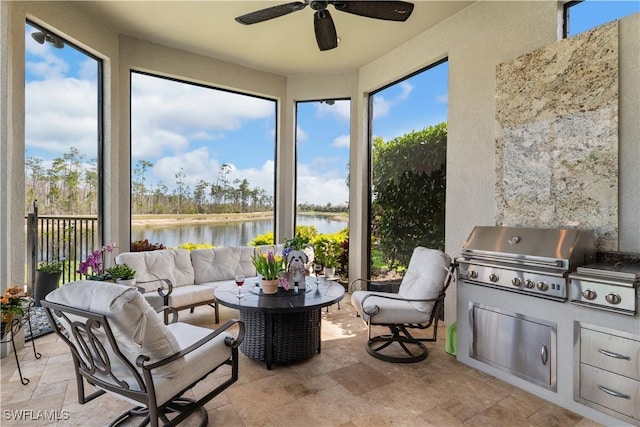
121	271
50	267
328	248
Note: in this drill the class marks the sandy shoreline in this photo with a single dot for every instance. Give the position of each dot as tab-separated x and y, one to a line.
163	219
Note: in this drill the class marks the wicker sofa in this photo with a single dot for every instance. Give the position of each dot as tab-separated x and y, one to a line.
185	279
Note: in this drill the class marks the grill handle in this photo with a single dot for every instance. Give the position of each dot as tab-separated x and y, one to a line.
614	355
471	254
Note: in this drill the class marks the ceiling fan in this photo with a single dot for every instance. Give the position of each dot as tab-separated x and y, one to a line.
326	35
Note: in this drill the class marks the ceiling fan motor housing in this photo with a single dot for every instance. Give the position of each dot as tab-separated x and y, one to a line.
318	5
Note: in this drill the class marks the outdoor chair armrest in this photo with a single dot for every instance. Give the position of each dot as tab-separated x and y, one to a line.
161	290
229	342
172	310
359	280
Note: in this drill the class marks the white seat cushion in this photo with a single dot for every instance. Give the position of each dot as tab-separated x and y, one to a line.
137	328
199	361
424	279
390	310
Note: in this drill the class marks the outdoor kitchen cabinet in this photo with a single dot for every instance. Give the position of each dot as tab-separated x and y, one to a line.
517	344
608	373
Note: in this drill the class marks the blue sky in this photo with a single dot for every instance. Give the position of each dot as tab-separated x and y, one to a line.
176	125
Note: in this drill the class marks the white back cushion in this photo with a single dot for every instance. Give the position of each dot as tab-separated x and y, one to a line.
425	277
224	263
137	328
172	264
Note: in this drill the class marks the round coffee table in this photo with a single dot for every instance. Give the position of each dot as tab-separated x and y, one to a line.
283	327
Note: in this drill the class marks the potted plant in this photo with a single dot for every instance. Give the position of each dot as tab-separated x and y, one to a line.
268	266
327	251
47	279
93	267
12	305
122	274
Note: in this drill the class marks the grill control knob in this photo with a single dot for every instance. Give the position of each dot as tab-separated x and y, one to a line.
613	298
516	282
589	294
543	286
494	277
473	274
529	284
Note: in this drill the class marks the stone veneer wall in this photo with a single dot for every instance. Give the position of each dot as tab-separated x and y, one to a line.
557	136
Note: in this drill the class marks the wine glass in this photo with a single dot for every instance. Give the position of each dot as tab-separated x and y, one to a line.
239	282
318	269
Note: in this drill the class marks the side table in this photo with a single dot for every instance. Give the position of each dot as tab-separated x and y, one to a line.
8	335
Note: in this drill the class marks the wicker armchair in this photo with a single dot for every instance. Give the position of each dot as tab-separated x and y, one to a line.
417	305
121	346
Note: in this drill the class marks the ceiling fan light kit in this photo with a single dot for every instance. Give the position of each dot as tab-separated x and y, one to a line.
323	25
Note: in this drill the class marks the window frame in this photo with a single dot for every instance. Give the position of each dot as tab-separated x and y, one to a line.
370	113
295	153
99	125
185	80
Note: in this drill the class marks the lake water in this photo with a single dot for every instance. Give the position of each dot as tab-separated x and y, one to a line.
224	234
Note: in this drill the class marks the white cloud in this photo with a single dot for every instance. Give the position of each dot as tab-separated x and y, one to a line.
342	141
301	135
49	65
199	165
406	90
320	182
341	109
152	142
382	106
323	181
61	112
442	99
178	110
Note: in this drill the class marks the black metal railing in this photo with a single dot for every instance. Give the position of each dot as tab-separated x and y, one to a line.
66	238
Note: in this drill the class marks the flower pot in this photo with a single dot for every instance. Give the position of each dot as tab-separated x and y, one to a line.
126	282
329	272
269	286
45	283
7	318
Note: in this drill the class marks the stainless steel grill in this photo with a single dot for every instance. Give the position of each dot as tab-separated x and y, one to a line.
531	261
611	286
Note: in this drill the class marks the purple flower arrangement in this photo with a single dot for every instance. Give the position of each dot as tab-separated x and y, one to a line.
93	267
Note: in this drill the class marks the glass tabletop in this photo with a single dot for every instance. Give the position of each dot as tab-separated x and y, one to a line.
326	293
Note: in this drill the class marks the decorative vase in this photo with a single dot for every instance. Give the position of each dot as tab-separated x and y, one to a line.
329	272
44	284
269	286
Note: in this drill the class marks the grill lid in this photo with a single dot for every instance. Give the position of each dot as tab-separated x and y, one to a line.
560	248
615	270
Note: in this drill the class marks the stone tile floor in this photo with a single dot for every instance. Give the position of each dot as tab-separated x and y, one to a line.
342	386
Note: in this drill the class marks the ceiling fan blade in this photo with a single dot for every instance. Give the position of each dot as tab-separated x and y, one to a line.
387	10
326	35
270	13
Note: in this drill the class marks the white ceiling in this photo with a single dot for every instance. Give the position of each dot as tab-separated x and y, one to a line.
285	45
